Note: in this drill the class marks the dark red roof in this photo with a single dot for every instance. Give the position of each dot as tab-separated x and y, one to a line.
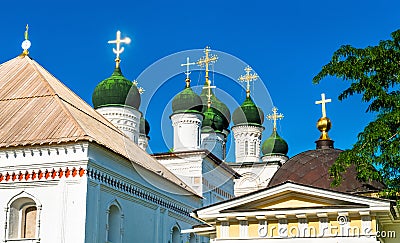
312	168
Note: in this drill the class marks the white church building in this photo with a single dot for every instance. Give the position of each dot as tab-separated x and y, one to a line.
71	173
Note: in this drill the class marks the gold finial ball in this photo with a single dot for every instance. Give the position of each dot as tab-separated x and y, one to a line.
324	124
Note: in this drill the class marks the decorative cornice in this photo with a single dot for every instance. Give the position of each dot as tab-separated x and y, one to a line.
39	175
135	191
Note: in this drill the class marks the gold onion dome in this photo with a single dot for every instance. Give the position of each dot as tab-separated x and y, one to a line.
187	101
324	124
248	113
219	108
116	91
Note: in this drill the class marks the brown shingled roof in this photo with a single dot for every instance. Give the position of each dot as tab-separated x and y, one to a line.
312	168
36	108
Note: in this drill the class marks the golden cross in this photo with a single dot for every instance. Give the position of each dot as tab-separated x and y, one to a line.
187	64
323	102
209	95
248	78
118	50
275	116
204	61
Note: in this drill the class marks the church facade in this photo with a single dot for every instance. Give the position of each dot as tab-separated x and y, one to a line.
70	172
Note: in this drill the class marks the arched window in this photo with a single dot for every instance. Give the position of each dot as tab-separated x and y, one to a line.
22	222
176	235
255	148
114	233
246	147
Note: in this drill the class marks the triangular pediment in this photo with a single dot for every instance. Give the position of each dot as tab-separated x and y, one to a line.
290	199
292	196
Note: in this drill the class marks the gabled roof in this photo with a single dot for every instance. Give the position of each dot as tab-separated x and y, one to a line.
36	108
282	198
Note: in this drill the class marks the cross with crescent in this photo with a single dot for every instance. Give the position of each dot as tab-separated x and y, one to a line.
323	102
26	32
187	64
275	116
204	61
248	78
118	50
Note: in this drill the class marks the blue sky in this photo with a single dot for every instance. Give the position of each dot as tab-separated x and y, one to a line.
286	43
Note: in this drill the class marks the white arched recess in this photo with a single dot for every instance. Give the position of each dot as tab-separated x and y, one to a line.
175	234
23	217
115	222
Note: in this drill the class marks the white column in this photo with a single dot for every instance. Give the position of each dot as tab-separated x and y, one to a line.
282	225
344	223
262	226
243	227
186	131
324	229
302	225
366	223
126	118
247	142
224	229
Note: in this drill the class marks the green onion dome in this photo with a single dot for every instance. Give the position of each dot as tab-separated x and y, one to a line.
275	145
248	113
187	101
213	121
116	90
144	126
218	106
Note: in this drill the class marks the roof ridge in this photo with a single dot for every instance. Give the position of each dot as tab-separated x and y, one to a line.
55	94
108	125
36	64
42	78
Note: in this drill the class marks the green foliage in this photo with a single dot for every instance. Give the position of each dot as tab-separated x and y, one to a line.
373	72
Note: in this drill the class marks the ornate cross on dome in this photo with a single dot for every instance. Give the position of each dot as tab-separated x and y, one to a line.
206	60
275	116
248	78
323	101
26	43
209	95
187	64
118	50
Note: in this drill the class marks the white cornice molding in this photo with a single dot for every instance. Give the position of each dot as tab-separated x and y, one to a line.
40	154
292	187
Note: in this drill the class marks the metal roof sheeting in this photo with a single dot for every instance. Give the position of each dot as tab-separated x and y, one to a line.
36	108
